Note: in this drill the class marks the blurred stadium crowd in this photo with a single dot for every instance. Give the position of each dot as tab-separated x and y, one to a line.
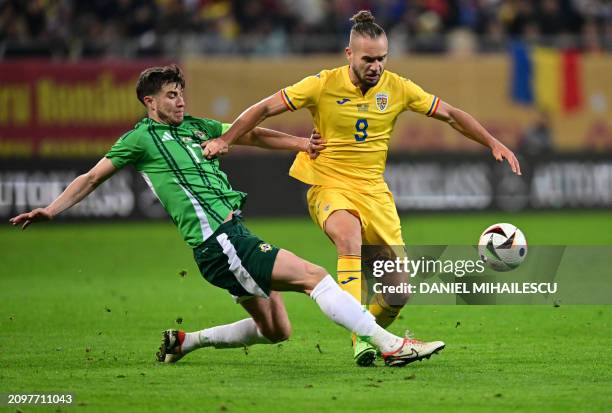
175	28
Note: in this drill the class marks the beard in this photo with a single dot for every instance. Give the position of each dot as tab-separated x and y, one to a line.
365	81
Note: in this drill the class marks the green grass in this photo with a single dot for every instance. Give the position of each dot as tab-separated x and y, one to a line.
82	307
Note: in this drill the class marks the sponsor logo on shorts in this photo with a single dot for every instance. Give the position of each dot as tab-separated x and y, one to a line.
265	247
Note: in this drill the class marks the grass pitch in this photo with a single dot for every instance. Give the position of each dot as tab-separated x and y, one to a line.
82	308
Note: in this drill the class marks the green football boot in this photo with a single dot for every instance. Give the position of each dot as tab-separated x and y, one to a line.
363	352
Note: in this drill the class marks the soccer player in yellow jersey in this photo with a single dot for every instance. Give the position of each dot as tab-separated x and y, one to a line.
354	108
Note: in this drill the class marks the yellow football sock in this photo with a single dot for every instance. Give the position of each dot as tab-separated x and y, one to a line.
384	313
349	274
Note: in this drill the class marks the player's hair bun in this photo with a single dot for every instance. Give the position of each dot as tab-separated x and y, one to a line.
363	16
363	25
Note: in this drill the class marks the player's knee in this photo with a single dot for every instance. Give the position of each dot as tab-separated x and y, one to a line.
315	272
313	275
346	238
347	243
282	334
278	334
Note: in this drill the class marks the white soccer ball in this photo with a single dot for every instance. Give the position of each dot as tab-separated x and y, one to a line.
502	247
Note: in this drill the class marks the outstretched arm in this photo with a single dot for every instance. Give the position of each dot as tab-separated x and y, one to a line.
78	189
472	129
271	139
253	116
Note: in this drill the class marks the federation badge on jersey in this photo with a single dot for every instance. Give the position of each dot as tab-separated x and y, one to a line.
199	134
382	100
265	247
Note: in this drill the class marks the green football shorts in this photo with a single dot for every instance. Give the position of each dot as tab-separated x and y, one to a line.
237	261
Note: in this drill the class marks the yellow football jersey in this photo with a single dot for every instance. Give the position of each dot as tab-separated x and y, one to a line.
357	127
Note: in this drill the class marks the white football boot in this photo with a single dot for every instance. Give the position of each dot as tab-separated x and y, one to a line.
412	350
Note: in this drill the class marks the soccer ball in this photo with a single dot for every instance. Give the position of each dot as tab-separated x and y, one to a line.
502	246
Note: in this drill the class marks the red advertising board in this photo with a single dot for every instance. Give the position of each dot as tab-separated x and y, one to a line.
62	109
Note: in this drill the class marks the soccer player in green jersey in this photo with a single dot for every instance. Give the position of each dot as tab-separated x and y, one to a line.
165	148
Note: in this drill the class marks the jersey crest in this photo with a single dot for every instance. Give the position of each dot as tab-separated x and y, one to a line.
265	247
382	100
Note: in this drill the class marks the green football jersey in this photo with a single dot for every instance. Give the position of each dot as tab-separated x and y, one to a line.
193	190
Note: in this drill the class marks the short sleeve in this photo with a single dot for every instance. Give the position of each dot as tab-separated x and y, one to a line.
417	100
303	94
225	127
125	151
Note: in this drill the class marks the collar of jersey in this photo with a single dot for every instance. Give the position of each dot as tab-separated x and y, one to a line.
148	119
